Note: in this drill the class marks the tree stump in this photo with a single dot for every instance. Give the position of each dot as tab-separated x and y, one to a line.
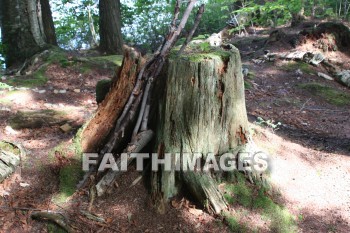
201	110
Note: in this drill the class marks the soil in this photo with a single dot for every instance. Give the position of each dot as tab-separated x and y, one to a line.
310	151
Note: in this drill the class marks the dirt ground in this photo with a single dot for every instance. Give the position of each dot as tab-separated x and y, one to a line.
310	151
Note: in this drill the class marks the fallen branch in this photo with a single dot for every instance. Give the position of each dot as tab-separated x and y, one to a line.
141	140
57	218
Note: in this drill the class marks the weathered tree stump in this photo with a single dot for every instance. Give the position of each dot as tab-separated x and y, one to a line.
202	110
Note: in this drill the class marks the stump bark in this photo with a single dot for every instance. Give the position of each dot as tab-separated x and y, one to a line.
100	126
201	110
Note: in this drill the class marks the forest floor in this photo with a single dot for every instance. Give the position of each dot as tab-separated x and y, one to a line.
310	149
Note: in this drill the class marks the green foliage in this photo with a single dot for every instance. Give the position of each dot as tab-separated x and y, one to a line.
145	22
72	22
330	94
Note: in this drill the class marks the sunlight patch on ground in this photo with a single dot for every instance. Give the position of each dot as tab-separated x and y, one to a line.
18	97
308	179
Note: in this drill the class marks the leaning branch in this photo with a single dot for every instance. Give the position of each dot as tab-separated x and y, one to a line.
194	28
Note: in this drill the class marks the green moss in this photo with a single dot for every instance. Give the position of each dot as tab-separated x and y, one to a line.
53	228
116	59
330	94
36	119
243	194
292	66
247	85
233	223
281	220
38	78
262	201
251	75
105	62
72	173
9	147
59	56
239	192
69	178
198	57
256	197
228	195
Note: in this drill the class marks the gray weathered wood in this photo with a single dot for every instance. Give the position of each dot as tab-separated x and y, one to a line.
203	110
141	140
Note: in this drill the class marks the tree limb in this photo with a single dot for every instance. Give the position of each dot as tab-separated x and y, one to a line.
194	28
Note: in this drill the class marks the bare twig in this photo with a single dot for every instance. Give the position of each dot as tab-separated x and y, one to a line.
142	139
172	36
302	107
194	28
144	125
142	110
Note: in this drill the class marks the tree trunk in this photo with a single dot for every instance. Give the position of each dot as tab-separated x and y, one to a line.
111	41
298	17
202	111
49	28
23	29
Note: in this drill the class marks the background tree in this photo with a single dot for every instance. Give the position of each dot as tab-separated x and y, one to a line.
111	41
27	28
75	22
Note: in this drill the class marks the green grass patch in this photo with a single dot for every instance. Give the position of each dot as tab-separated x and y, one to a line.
292	66
330	94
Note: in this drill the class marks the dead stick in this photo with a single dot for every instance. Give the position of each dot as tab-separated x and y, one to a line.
194	28
142	110
178	30
56	218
